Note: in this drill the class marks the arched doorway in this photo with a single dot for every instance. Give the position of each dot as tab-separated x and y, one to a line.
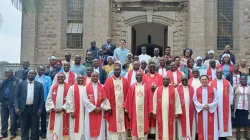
151	36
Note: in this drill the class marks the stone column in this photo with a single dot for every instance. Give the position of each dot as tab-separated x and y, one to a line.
28	37
196	26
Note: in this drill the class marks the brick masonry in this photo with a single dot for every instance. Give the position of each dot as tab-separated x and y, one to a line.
193	24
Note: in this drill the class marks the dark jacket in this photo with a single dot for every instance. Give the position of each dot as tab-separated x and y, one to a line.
229	77
93	51
14	82
102	75
232	57
108	53
22	74
21	96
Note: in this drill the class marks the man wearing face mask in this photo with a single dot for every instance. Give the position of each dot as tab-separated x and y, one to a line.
7	92
76	109
167	106
225	100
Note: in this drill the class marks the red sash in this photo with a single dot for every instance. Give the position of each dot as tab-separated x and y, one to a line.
130	73
191	109
95	120
77	107
65	115
71	80
171	76
226	101
190	81
210	118
171	112
209	73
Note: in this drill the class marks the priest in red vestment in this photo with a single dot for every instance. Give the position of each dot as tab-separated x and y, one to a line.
56	104
138	108
130	75
206	100
116	89
153	80
87	79
95	102
166	108
70	77
76	109
225	100
186	123
174	75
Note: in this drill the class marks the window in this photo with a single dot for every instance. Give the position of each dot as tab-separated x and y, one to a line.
75	24
225	23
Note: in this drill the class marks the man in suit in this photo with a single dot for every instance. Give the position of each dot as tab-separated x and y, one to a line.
23	73
108	48
100	71
46	81
7	91
28	102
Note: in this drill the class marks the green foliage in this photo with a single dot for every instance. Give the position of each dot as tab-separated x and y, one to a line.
28	5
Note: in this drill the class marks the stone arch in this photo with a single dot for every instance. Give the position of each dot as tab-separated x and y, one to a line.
128	23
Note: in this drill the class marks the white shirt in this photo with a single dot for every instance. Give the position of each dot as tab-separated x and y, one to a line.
133	78
162	71
236	79
243	103
30	93
144	57
96	69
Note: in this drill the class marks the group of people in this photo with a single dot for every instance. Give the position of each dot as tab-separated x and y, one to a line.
113	93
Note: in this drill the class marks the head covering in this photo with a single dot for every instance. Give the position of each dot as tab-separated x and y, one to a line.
225	55
110	57
211	51
129	54
197	58
52	58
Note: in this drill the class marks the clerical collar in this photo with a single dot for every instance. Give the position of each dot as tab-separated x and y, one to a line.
116	77
139	83
94	83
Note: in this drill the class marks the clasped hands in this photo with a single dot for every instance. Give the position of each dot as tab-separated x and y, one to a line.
206	107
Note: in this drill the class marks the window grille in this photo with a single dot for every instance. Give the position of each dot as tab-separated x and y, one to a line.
224	23
75	24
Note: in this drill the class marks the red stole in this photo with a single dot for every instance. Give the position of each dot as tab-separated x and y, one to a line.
210	118
171	112
95	120
209	73
77	107
226	86
190	81
171	76
191	109
65	115
71	79
85	80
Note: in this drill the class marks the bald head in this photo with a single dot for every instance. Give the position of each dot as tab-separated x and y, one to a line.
80	79
219	73
94	77
136	65
166	80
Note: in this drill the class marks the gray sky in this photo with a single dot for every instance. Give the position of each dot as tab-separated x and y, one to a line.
10	32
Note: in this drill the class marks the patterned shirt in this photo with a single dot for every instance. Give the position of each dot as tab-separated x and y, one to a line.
121	54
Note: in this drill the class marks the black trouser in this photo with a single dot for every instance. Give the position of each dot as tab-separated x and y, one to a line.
6	112
29	120
222	138
43	121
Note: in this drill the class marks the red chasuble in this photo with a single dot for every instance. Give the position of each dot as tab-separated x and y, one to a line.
110	92
191	109
209	73
95	120
157	80
76	107
130	106
53	113
210	118
171	112
226	98
171	76
71	80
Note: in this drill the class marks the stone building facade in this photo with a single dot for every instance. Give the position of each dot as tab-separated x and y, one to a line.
155	23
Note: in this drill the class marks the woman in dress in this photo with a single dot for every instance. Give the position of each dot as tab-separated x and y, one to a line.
110	66
190	65
241	109
187	53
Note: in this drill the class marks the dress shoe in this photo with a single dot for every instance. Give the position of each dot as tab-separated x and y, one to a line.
43	136
2	137
12	137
